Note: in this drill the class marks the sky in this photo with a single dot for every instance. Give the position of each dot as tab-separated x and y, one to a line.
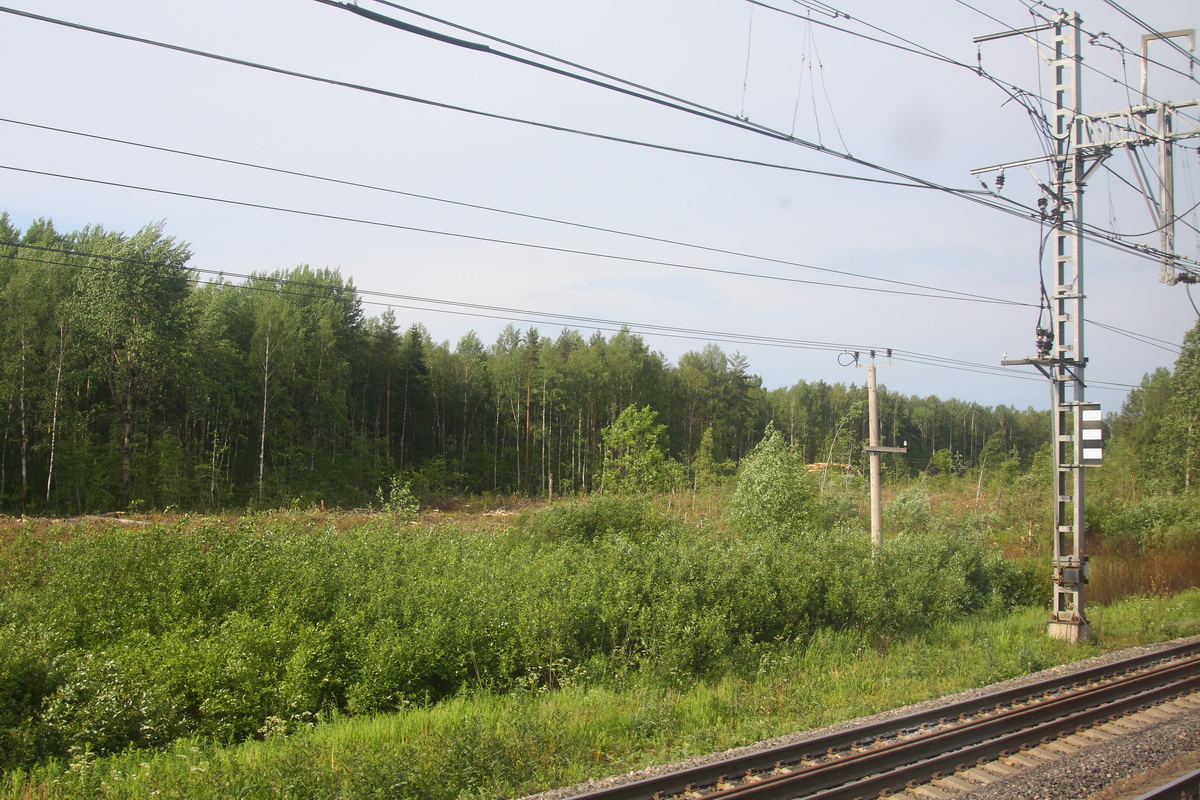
463	221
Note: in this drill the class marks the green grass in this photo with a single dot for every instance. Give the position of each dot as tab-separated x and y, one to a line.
483	745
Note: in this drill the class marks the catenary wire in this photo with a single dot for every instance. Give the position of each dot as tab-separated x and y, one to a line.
1093	38
1191	57
1086	65
556	59
1151	341
733	120
1041	123
1010	207
1007	206
974	195
689	108
918	184
509	317
1141	251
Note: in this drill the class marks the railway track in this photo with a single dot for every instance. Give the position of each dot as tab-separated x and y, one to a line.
1184	788
887	757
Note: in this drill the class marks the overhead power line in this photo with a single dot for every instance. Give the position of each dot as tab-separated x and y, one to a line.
625	87
492	209
1094	39
984	198
908	181
459	309
563	61
1015	94
735	121
515	243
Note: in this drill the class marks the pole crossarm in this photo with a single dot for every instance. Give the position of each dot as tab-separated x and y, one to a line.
1131	126
1126	127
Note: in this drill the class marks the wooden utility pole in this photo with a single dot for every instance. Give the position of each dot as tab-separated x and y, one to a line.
875	451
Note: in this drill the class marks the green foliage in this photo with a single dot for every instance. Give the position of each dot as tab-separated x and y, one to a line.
601	515
909	511
948	464
233	631
400	500
1179	436
1155	444
841	505
634	459
704	470
478	744
775	492
1158	521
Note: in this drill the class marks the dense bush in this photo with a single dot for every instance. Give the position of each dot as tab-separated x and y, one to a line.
115	638
1163	520
588	520
775	491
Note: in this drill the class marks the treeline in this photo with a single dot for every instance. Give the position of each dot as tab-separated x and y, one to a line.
1155	439
126	380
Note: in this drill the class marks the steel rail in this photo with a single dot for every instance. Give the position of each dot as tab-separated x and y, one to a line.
763	760
1185	788
893	766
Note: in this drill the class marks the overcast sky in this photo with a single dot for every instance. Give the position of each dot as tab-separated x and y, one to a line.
792	233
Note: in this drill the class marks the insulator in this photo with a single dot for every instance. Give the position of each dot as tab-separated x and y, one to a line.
1045	341
1000	181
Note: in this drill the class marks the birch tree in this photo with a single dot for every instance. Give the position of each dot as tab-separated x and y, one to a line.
129	303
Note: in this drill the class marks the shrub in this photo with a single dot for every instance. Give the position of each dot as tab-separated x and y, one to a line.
235	632
635	459
400	501
909	512
774	491
588	520
1158	520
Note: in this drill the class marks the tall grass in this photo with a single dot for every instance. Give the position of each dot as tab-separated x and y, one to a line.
485	745
1118	573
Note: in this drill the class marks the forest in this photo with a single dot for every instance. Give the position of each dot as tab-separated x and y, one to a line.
129	381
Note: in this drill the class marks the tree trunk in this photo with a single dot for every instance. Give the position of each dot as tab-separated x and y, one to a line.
404	421
24	434
54	410
496	446
127	445
212	472
262	438
387	415
528	429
